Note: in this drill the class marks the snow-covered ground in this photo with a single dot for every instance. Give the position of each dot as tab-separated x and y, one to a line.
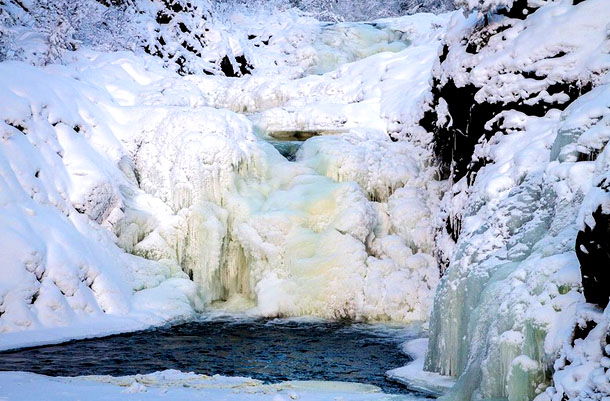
173	385
415	377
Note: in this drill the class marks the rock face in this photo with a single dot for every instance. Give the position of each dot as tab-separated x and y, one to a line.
478	85
467	108
593	251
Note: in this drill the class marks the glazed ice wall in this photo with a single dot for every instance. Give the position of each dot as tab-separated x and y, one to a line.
507	302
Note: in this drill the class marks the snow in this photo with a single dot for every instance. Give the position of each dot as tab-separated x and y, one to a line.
579	370
60	191
175	385
414	376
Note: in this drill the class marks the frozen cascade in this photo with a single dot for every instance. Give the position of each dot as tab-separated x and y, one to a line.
343	230
347	42
296	242
500	311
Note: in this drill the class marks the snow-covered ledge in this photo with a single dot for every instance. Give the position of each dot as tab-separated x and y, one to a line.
413	375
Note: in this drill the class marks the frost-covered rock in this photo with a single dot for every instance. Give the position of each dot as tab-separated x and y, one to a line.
592	245
500	63
580	371
506	95
184	34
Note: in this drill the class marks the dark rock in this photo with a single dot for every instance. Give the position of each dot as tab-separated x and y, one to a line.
454	141
110	3
480	38
581	332
593	252
228	69
244	66
163	17
18	127
444	54
520	9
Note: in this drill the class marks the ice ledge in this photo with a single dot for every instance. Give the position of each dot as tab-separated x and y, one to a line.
413	375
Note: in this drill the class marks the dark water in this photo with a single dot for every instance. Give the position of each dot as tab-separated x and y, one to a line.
288	149
271	351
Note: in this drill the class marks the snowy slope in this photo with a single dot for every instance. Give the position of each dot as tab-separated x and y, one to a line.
63	192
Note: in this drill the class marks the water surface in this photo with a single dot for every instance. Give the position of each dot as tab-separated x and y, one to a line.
268	350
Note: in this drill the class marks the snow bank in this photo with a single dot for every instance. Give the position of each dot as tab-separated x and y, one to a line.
63	193
413	375
175	385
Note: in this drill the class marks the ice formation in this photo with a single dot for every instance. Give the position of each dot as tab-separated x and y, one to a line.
580	371
330	234
507	133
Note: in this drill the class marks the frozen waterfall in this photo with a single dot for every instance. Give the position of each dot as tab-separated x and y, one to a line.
341	231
